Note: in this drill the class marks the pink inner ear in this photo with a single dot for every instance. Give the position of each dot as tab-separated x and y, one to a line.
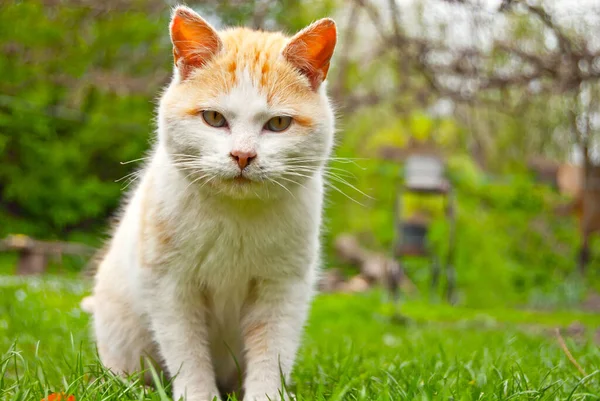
195	42
311	49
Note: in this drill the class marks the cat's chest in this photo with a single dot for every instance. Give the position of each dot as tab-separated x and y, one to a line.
231	247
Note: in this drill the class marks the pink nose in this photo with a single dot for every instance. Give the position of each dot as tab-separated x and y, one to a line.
243	158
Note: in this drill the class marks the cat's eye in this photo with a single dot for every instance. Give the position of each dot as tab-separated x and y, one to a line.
278	124
214	118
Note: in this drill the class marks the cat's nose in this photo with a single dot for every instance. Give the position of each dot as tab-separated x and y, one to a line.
243	158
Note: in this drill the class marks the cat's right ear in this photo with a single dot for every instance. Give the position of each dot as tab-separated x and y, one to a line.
195	42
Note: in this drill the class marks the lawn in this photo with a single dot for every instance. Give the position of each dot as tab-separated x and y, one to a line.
353	350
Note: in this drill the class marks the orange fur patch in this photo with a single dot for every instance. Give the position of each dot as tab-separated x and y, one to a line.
156	235
232	67
254	333
195	111
255	337
304	121
162	232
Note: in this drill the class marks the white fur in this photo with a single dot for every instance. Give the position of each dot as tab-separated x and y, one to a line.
227	236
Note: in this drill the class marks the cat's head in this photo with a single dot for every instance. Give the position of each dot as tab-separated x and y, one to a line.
246	114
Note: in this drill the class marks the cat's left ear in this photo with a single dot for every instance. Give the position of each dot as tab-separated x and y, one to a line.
310	50
195	42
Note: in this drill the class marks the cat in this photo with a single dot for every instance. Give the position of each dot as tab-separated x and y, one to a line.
210	271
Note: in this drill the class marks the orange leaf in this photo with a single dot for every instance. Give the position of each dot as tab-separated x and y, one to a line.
58	397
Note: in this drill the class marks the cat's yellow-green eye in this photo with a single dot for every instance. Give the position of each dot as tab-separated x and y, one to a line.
278	124
214	118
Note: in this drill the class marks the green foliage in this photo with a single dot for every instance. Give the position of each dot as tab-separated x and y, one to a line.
71	109
511	248
289	15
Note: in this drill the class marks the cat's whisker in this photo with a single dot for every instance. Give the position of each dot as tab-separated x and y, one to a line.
292	181
330	175
325	158
191	162
195	180
184	158
190	174
127	184
297	174
283	169
342	161
184	155
282	186
343	181
207	181
188	166
191	170
130	181
127	176
341	172
256	193
185	161
330	185
331	179
134	160
312	170
334	172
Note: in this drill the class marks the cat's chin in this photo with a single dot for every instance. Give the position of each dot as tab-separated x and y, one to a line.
242	188
240	179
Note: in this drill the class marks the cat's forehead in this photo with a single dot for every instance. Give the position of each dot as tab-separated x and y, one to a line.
253	47
253	56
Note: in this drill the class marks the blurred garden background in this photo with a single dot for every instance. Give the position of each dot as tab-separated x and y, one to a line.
505	93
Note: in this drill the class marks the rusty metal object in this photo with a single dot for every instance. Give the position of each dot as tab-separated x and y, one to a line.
425	174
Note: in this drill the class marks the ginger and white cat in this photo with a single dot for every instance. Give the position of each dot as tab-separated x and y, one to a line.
216	254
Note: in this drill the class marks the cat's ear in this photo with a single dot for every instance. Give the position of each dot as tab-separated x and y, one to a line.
195	42
310	50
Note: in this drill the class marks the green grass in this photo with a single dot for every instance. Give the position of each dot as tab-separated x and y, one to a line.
353	350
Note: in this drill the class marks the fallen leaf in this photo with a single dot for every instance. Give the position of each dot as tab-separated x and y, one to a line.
59	397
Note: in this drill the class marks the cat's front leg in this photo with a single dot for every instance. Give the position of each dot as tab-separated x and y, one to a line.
272	327
178	317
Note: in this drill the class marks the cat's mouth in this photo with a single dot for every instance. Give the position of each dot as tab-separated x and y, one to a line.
242	179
